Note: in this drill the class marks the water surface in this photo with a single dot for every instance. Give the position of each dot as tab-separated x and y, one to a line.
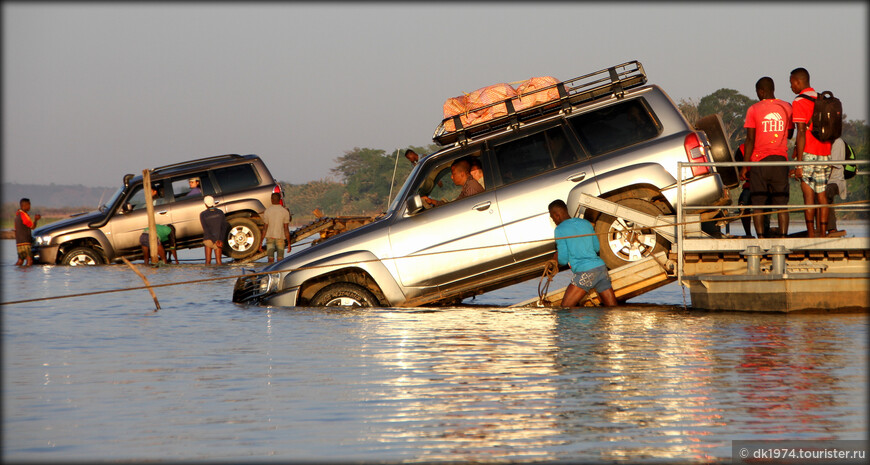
106	377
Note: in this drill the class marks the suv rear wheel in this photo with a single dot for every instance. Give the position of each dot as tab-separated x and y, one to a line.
243	239
623	242
82	256
344	295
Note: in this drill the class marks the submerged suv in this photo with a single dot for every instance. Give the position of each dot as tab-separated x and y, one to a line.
607	134
240	184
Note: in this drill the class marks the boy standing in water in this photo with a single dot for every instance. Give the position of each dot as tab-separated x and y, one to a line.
23	236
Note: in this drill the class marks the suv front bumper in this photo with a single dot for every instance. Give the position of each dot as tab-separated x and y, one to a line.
46	254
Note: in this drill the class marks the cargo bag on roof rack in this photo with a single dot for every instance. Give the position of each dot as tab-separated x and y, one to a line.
527	95
470	109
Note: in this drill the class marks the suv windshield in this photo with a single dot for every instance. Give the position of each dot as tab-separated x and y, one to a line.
394	204
118	193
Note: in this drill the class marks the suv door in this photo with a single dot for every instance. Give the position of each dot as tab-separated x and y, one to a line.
187	204
127	223
446	243
532	170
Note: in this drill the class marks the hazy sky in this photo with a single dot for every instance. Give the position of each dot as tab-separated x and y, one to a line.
95	90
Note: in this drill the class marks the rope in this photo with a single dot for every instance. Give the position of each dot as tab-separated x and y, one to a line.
198	281
549	273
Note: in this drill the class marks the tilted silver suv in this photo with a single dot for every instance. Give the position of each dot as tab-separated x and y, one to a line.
609	135
240	184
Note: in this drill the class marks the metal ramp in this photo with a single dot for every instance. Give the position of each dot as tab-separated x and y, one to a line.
628	281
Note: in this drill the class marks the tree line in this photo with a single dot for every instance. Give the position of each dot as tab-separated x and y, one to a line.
363	177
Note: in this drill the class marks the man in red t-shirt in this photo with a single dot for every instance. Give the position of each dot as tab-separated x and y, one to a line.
768	128
813	178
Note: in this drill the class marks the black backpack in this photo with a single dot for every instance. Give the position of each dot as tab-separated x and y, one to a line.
849	170
827	116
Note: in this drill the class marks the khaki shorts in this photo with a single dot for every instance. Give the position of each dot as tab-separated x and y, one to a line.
209	244
24	251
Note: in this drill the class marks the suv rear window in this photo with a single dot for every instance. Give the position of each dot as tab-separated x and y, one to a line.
534	154
615	127
236	178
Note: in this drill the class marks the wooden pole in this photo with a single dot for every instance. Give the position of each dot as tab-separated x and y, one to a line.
152	224
148	284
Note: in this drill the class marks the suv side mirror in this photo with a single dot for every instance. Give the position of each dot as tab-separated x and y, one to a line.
414	204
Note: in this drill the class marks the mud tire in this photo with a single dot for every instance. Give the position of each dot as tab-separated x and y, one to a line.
344	295
82	256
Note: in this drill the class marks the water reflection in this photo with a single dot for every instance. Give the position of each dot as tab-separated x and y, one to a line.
787	376
107	378
601	384
464	385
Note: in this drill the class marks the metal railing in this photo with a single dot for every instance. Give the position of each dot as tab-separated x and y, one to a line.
686	166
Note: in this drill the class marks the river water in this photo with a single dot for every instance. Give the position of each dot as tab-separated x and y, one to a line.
106	377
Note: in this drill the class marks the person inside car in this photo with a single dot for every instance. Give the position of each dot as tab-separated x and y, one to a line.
460	172
195	188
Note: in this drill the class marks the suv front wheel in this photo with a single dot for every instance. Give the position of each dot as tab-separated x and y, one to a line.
243	239
344	295
82	256
623	242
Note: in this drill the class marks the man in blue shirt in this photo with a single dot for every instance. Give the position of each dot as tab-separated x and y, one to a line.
581	254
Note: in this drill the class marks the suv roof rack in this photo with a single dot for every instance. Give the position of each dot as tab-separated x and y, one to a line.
199	161
614	80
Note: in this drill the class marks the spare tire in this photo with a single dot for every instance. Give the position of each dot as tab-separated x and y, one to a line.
721	151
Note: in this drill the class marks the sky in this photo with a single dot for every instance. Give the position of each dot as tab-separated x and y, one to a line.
91	91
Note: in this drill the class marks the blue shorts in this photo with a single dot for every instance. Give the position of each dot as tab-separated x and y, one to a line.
596	278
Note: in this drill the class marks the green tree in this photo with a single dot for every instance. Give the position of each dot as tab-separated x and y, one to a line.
689	109
731	106
369	176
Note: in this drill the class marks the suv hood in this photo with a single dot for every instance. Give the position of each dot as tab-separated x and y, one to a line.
80	221
326	248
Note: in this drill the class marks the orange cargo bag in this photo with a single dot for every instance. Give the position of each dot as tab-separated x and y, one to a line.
479	98
528	99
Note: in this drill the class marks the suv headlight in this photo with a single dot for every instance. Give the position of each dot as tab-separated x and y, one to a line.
42	240
269	283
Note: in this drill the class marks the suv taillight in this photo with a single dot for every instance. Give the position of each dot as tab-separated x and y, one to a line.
277	190
696	153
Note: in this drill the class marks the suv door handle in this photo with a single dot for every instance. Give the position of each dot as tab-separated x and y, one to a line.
577	177
163	212
482	206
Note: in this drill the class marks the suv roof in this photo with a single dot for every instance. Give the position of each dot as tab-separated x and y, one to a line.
589	87
199	163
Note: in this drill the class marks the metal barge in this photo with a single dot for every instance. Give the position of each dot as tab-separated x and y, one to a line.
791	274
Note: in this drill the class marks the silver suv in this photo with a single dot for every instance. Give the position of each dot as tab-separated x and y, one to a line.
241	185
608	134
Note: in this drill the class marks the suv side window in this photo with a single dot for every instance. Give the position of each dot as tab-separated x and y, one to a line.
136	199
236	178
615	127
191	186
534	154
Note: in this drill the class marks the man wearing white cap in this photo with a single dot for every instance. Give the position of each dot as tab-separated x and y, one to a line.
214	230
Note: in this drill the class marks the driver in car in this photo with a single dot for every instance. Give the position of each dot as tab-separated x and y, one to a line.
460	172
